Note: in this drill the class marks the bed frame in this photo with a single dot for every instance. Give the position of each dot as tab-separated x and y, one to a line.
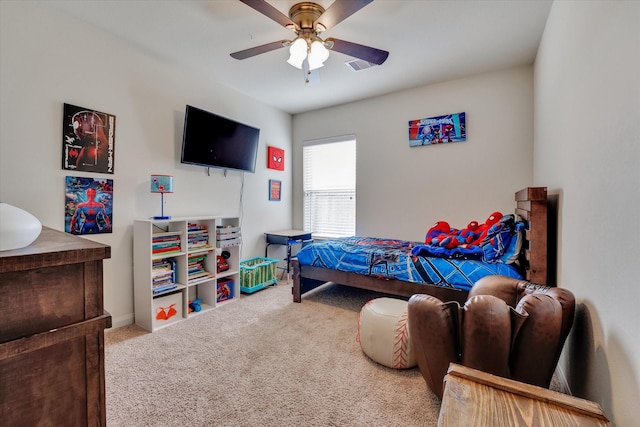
531	206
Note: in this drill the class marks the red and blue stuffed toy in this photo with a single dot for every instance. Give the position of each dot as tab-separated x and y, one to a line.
487	241
444	236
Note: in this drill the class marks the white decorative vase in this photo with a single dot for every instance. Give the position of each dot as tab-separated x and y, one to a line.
18	228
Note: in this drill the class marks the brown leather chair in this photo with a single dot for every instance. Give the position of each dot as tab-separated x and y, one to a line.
507	327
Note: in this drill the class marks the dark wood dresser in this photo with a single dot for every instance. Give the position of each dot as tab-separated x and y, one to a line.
52	323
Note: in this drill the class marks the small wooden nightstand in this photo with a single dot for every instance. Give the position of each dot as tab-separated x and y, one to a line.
475	398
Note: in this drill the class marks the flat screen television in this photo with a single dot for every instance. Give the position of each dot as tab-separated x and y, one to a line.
214	141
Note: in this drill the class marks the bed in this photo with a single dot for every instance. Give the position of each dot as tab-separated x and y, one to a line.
375	270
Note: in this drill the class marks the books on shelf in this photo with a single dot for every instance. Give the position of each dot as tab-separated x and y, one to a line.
198	237
162	243
163	275
196	270
161	289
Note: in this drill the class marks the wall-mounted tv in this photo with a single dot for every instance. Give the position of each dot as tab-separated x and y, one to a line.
211	140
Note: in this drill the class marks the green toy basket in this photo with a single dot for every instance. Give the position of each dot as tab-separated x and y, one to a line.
257	273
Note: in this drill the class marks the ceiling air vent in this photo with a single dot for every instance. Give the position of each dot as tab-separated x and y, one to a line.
359	64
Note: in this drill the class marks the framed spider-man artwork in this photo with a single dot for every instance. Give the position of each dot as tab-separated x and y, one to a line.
88	207
438	130
275	158
88	140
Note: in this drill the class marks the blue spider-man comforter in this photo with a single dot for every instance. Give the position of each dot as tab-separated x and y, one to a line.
394	259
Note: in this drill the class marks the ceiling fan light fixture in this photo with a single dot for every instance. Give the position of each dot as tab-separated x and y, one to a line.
297	53
309	19
318	53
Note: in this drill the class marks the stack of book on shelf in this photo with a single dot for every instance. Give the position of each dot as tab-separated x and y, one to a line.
163	276
198	237
196	271
165	243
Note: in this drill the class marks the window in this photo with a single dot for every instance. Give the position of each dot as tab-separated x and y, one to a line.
329	174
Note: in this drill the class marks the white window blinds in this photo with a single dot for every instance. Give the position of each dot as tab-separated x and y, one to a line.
329	174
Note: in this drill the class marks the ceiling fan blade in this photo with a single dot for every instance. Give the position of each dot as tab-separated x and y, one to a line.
271	12
371	54
339	11
248	53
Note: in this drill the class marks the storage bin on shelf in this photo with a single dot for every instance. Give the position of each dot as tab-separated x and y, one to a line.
257	273
228	236
224	289
167	309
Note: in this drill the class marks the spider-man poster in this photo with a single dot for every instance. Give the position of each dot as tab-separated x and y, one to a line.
88	140
438	130
88	207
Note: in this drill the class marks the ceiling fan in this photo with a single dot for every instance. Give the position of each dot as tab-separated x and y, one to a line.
308	20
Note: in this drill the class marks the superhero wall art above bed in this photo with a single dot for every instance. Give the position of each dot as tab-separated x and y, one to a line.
438	130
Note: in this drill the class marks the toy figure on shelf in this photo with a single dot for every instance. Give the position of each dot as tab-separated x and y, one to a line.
221	260
194	306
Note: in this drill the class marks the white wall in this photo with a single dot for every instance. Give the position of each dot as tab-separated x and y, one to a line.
47	59
402	190
587	151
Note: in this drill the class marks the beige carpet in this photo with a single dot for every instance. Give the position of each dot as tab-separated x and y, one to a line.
261	361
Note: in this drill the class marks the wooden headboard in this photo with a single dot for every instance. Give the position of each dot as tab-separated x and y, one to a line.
531	206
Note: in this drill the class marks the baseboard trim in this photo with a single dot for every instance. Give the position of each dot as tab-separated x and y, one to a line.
120	321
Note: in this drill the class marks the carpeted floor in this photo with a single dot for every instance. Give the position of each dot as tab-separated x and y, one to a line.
261	361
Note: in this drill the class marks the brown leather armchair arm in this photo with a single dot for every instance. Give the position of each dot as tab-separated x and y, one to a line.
507	327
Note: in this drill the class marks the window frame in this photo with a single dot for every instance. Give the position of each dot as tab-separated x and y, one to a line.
351	193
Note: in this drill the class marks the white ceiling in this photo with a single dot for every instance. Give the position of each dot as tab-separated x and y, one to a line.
429	41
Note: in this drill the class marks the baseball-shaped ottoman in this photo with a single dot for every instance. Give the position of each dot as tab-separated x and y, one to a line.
383	333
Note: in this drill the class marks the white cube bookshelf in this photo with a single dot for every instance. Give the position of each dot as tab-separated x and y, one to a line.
175	264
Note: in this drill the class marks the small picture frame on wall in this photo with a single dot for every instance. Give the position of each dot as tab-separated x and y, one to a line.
275	158
275	188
